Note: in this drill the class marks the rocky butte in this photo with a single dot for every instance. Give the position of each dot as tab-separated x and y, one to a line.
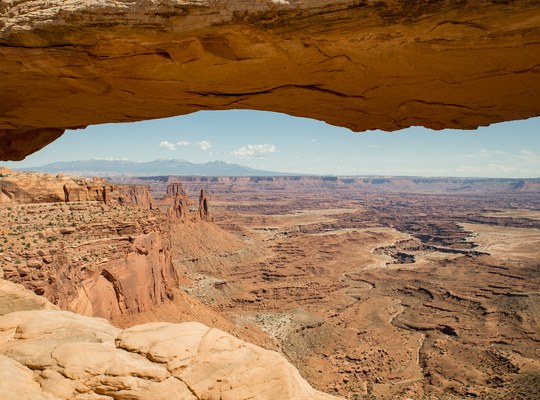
360	64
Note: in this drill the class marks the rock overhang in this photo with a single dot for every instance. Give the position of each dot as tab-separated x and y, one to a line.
359	64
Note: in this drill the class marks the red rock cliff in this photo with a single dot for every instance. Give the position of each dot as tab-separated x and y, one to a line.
30	187
103	258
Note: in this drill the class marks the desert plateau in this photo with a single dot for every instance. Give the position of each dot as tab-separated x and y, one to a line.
373	288
248	200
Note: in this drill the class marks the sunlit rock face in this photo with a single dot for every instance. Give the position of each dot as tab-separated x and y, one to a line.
54	355
359	64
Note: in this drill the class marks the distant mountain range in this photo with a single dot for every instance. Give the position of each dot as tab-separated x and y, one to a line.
98	167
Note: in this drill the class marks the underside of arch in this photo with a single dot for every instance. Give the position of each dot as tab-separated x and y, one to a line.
363	65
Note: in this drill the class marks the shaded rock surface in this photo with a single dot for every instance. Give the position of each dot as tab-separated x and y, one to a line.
49	354
204	212
358	64
178	202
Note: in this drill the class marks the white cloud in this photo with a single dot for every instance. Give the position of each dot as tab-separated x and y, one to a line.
312	140
183	143
204	145
255	150
164	144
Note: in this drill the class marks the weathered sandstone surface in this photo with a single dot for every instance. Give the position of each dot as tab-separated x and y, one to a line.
360	64
49	354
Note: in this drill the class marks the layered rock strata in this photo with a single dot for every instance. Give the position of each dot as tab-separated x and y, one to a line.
88	246
178	203
89	258
51	355
31	187
177	200
359	64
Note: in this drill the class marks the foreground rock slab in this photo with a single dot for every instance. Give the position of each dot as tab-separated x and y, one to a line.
359	64
51	354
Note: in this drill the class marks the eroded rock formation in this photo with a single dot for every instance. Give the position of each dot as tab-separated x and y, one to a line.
179	211
175	189
31	187
51	355
204	212
178	202
360	64
88	246
128	195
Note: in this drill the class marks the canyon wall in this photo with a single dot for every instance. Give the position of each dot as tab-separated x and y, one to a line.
106	253
362	64
26	188
224	184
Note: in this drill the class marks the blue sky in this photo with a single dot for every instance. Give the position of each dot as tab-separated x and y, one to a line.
278	142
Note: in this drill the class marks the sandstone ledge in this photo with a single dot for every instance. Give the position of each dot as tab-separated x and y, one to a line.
359	64
50	354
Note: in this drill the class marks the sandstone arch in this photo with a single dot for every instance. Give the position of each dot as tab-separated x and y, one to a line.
360	64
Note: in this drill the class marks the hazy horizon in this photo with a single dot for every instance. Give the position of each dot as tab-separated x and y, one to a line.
280	143
277	174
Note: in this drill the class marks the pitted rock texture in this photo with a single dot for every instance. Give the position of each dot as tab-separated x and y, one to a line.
359	64
52	355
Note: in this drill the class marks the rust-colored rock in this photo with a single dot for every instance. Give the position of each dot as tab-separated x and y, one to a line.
128	195
359	64
86	245
177	200
175	189
16	146
25	188
204	212
179	211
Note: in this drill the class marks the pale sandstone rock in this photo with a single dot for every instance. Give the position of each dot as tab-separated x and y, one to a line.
360	64
60	355
14	297
155	340
77	360
17	382
128	387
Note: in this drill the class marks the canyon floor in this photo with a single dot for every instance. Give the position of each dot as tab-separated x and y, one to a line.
371	292
375	294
